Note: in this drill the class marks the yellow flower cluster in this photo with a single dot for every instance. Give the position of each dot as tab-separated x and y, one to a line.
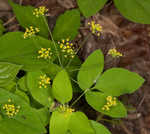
66	110
40	11
95	28
67	48
111	101
45	53
114	53
44	81
30	32
11	109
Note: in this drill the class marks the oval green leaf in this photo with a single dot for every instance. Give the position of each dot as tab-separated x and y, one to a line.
97	100
59	123
79	124
61	88
90	70
99	128
24	15
135	10
67	25
42	95
118	81
90	7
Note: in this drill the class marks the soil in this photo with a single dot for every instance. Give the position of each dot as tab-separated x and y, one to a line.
131	39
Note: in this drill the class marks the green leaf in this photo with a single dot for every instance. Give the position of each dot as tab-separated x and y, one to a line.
59	123
99	128
11	87
73	68
35	104
97	100
90	7
8	72
118	81
52	69
2	28
68	132
90	70
134	10
79	124
23	95
42	95
24	15
17	50
61	88
25	122
76	61
23	83
67	25
44	115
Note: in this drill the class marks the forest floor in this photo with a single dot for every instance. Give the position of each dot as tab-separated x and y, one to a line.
131	39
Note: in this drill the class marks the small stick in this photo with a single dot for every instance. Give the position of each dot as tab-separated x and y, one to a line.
141	102
13	18
125	128
9	21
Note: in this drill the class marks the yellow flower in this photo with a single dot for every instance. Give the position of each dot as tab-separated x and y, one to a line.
114	53
109	98
66	110
41	11
44	81
111	101
67	48
45	53
30	32
10	109
95	28
105	107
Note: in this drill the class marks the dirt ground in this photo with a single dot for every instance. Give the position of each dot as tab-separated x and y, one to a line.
132	39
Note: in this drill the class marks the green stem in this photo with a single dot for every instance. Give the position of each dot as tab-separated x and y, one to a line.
111	121
52	40
79	97
77	69
74	81
82	44
100	117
